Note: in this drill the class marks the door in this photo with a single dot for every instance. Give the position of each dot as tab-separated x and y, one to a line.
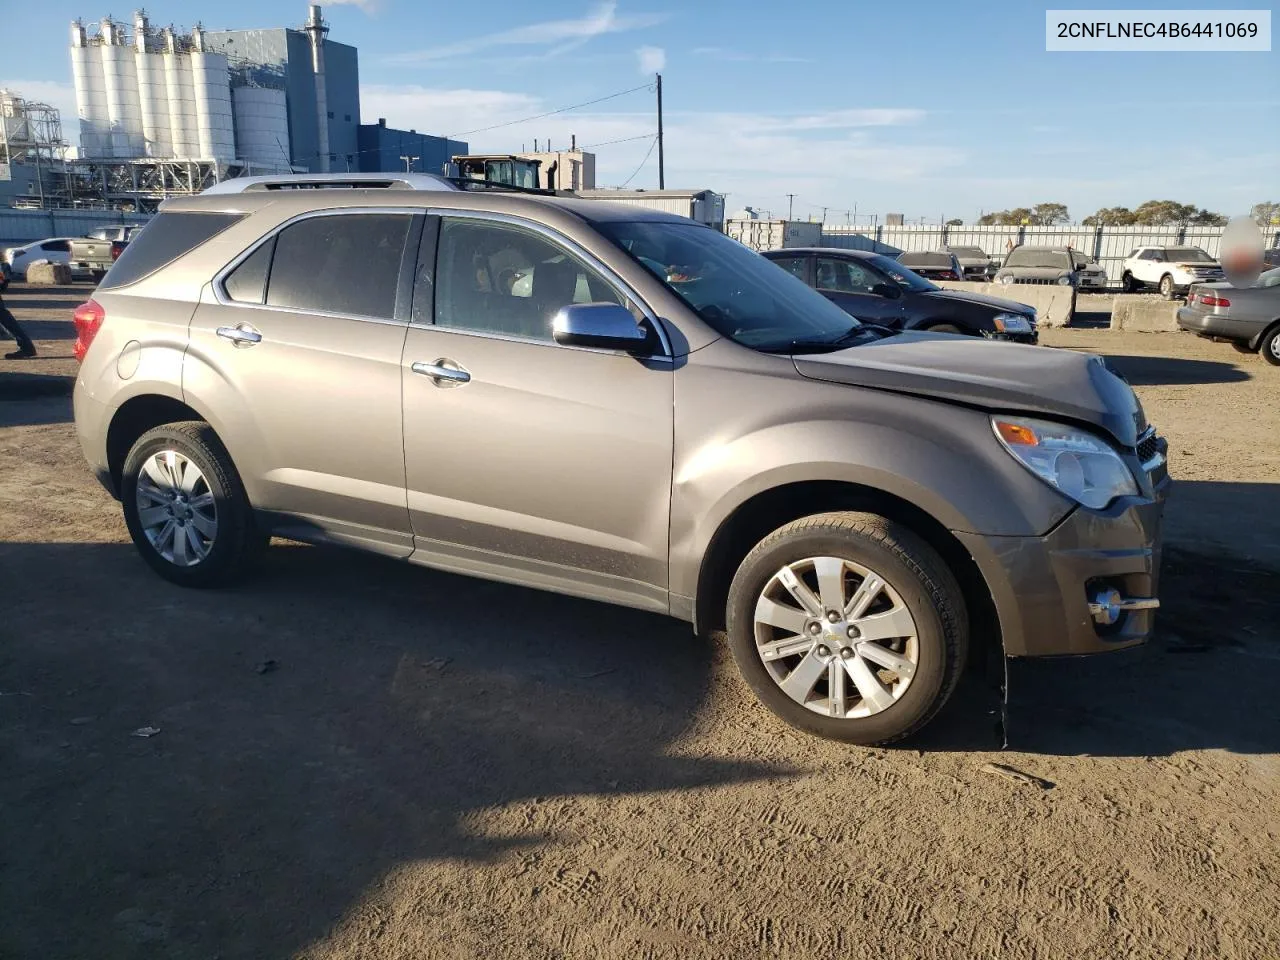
853	287
297	350
526	460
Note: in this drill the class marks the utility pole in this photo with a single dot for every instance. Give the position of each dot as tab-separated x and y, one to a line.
791	201
662	164
824	216
409	162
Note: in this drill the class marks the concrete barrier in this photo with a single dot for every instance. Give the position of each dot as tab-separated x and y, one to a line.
1054	304
48	274
1144	315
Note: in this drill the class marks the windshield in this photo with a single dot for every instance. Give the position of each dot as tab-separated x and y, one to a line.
1187	255
738	292
926	260
1040	257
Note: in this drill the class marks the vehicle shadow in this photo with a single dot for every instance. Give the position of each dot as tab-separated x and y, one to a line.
20	302
16	385
336	718
39	329
1147	371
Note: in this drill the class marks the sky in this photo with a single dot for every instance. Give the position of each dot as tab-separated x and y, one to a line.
930	109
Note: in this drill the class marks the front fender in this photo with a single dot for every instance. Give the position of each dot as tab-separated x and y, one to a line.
942	458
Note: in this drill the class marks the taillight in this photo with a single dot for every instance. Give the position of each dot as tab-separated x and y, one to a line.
1209	300
117	248
88	320
948	275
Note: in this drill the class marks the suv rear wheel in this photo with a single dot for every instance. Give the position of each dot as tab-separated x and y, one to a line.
1166	287
1130	285
186	508
848	625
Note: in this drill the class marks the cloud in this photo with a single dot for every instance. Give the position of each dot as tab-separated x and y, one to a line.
737	56
560	36
652	59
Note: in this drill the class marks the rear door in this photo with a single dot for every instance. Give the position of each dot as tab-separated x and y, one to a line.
297	349
799	266
852	286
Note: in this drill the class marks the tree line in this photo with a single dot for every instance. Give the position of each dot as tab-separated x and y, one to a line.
1152	213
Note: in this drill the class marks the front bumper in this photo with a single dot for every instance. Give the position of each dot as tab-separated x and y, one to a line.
1092	283
1042	586
1031	338
1216	325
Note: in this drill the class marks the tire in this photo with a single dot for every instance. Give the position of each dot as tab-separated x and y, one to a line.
214	503
1166	287
913	576
945	328
1129	284
1242	346
1269	346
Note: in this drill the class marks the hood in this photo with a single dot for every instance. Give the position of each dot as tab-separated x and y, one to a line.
1003	377
995	303
1198	265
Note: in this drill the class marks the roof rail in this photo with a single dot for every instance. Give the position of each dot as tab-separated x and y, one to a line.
333	181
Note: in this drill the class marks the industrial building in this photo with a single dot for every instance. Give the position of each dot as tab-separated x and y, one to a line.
704	206
385	148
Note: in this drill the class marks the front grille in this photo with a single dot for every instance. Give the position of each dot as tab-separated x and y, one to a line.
1148	445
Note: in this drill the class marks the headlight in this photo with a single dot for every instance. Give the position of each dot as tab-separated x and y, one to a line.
1007	278
1067	281
1079	464
1011	323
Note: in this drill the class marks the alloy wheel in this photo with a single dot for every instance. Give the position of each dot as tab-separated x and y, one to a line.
176	509
836	637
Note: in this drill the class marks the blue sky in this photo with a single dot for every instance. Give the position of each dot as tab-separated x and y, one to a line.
926	108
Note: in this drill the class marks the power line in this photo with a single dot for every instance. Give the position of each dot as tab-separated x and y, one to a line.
608	143
552	113
642	162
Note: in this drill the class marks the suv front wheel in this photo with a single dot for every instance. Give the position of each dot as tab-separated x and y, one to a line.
848	625
186	508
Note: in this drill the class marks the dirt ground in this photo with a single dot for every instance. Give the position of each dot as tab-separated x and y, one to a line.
358	758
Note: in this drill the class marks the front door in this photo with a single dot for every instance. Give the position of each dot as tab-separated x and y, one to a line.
297	351
852	287
526	460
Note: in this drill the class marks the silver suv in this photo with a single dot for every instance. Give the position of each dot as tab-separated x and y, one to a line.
623	405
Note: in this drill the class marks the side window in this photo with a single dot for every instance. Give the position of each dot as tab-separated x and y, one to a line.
798	267
55	246
507	280
347	263
247	283
845	276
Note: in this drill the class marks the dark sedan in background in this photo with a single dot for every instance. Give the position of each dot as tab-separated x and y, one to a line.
879	289
1247	317
933	265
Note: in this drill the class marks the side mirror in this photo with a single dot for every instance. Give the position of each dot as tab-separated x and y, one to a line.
890	291
606	326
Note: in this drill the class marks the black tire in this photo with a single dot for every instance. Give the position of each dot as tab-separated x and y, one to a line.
1129	284
946	328
911	567
1166	287
1242	346
238	543
1269	346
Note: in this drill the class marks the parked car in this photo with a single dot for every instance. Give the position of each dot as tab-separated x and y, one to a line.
123	232
975	263
1249	318
1271	257
55	250
932	266
1170	269
876	288
93	258
1061	265
666	421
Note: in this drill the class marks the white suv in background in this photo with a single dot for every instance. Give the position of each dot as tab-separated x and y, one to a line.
1171	269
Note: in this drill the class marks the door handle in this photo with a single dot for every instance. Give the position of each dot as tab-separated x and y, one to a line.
444	372
242	335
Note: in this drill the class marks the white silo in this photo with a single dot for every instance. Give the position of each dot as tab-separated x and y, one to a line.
121	78
91	94
262	126
180	98
152	91
316	31
211	83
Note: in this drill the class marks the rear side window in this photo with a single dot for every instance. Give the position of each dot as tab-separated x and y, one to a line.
798	267
347	264
164	240
247	283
